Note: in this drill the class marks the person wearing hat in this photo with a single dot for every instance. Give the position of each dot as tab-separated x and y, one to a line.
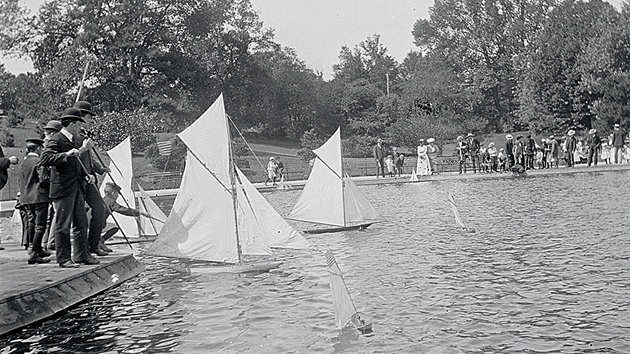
474	148
112	192
52	128
34	200
593	144
271	171
570	148
433	154
94	168
509	151
5	162
519	148
493	153
529	152
67	189
462	152
423	167
554	152
379	156
618	137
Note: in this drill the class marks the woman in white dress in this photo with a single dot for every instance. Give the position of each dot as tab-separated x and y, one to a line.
423	167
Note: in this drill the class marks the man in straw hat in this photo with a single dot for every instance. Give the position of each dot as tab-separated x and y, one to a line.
570	146
34	200
67	189
594	144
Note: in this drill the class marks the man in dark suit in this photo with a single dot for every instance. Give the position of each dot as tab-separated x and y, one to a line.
34	190
92	196
509	151
5	162
67	190
379	156
474	147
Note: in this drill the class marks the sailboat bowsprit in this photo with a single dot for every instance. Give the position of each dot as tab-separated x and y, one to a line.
330	197
218	216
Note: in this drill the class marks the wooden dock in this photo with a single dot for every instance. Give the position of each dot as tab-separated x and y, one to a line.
31	293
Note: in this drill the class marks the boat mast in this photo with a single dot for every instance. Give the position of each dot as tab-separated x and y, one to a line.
343	183
232	174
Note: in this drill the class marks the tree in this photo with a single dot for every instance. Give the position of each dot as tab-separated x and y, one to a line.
553	93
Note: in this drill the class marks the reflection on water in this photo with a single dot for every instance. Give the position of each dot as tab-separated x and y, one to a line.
547	271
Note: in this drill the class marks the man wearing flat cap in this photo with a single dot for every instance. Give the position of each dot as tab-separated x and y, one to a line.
68	180
92	196
34	200
594	144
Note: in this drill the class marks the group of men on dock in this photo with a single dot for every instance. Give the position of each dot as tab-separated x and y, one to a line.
59	197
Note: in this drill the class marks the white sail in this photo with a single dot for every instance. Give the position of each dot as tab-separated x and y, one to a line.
150	227
201	224
121	168
345	310
328	198
276	232
207	221
321	200
458	218
357	207
414	176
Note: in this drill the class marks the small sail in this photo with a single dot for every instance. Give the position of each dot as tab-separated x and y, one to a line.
283	184
321	200
16	218
357	207
414	176
345	310
276	232
121	168
149	226
458	218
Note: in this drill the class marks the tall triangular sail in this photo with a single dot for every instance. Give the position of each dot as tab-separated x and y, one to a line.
458	218
121	168
217	216
328	198
345	311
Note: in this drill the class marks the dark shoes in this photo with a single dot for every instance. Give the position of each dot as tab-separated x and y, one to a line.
99	252
44	253
68	264
102	246
89	261
38	260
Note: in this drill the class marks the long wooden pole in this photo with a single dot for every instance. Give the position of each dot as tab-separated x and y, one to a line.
85	71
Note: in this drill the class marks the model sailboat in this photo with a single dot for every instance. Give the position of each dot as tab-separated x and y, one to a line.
345	312
331	198
458	218
122	174
218	216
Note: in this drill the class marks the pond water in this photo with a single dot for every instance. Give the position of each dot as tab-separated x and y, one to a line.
546	271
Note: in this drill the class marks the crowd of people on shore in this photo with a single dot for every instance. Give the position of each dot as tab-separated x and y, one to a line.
516	154
59	200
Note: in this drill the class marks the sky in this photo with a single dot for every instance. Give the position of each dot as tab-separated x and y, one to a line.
317	29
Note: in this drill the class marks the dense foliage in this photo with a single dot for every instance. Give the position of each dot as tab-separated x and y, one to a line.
481	66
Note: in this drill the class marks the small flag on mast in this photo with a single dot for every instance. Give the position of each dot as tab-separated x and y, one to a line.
164	148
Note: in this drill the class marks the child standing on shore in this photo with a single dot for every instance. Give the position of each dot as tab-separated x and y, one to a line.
400	162
389	163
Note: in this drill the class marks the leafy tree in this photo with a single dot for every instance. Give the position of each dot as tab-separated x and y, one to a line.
552	93
109	129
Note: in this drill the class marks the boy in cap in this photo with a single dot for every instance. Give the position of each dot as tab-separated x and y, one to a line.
112	192
34	199
67	189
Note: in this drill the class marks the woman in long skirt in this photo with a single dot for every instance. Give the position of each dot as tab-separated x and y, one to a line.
423	167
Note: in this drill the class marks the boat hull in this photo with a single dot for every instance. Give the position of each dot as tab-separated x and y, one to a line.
259	267
338	229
